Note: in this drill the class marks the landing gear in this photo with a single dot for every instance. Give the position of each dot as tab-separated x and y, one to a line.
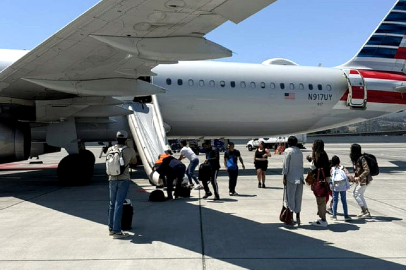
76	169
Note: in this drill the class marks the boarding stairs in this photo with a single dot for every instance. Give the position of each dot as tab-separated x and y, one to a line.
148	131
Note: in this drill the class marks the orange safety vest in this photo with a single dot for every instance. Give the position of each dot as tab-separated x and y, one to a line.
161	158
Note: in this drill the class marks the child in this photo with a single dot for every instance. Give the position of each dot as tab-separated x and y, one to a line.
339	184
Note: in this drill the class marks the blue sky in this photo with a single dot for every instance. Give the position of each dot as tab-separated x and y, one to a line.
308	32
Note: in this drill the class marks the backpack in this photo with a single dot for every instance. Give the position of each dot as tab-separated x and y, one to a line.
339	180
157	196
114	161
372	164
204	172
231	163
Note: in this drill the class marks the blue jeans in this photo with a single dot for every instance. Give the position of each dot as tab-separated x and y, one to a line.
118	193
343	195
190	172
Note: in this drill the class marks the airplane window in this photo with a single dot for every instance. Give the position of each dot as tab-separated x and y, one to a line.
180	82
201	83
328	87
232	83
310	86
222	83
190	82
168	81
273	85
262	85
301	86
291	86
252	84
212	83
282	86
320	87
243	85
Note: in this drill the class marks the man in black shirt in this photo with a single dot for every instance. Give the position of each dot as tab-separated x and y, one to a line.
230	163
213	158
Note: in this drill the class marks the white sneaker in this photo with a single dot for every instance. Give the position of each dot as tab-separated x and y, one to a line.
120	235
320	223
198	187
366	215
333	218
361	214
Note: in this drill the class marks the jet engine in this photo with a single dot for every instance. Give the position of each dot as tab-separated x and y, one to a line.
15	141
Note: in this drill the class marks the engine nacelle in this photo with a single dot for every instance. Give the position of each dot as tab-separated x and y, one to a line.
15	141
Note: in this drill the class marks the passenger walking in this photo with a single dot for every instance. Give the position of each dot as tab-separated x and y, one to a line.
119	184
194	161
339	185
173	169
213	158
293	179
261	163
230	163
321	172
362	179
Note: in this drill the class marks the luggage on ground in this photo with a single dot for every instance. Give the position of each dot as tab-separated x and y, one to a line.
127	217
183	191
157	196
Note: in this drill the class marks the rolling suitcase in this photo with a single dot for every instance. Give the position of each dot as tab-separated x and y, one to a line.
127	217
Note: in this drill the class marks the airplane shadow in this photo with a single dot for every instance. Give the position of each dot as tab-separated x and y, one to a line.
220	235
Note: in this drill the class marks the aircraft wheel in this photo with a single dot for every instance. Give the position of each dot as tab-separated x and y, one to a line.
76	169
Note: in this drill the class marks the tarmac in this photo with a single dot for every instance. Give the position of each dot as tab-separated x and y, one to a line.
48	226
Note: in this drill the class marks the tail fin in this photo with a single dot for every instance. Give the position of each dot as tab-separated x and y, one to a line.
386	48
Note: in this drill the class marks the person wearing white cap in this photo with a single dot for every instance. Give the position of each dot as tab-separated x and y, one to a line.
119	184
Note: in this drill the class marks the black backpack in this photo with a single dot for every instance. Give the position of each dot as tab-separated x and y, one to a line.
204	172
157	196
372	164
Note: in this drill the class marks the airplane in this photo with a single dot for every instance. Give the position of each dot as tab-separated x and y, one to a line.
120	62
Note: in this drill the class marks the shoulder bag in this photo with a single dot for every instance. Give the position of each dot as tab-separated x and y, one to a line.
320	186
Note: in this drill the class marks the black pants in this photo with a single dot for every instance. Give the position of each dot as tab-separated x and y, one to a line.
232	179
177	173
213	180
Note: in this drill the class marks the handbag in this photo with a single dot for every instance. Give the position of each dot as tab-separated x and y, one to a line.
309	178
286	215
320	186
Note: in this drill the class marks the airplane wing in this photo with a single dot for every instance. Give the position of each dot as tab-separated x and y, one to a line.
105	50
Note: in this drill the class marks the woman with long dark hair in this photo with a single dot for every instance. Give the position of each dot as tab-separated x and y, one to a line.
362	178
321	172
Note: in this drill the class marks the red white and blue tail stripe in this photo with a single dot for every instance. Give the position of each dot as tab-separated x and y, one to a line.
386	48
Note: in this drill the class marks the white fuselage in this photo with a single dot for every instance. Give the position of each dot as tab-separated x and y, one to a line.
206	105
217	99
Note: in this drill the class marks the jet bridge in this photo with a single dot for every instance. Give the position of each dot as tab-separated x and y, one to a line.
148	131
